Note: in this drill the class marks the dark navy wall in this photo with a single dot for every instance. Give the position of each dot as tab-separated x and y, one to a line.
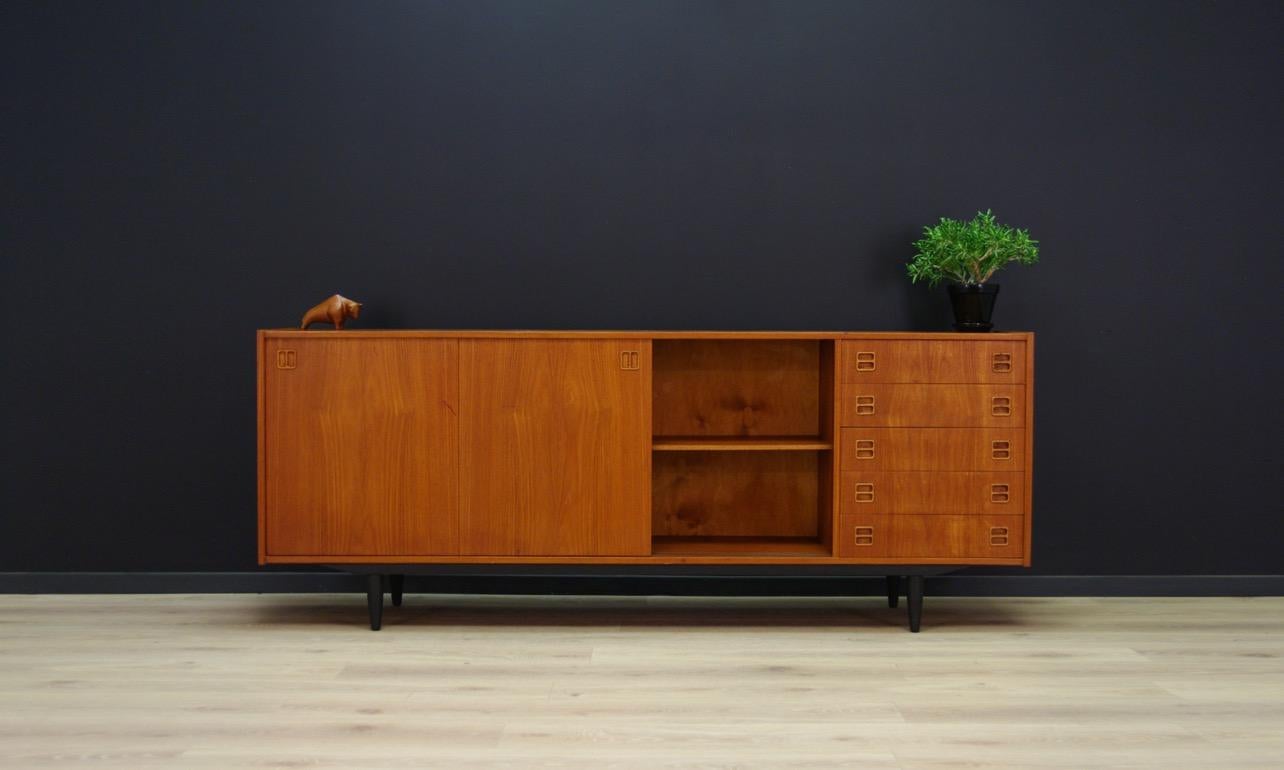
177	174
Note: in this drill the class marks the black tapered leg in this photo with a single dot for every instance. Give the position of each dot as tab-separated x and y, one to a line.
395	584
893	590
915	596
374	598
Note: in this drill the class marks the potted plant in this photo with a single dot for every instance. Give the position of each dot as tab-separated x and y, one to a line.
968	254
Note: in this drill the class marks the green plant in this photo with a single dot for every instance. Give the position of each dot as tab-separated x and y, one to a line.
969	252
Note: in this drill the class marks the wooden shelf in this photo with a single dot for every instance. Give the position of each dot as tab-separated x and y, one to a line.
739	546
739	444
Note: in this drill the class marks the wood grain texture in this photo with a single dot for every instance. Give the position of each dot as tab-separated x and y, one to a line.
828	394
933	449
335	310
649	558
233	681
360	447
554	447
736	388
929	535
635	334
1029	450
769	377
933	361
803	547
790	444
933	406
260	408
720	494
961	492
828	470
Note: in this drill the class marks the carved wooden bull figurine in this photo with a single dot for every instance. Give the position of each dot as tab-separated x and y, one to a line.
336	310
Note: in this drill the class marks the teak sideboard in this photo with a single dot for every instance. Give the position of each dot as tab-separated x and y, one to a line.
902	453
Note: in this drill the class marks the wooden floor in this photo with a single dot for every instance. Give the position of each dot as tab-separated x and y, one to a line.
469	682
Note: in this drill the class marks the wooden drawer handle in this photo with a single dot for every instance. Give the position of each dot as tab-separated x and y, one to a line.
864	405
998	535
865	449
999	493
865	492
1001	406
1000	450
864	536
1001	363
866	361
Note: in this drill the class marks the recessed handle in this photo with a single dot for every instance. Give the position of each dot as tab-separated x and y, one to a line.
864	405
1000	450
864	536
866	361
1001	363
865	449
998	535
865	492
999	493
1001	406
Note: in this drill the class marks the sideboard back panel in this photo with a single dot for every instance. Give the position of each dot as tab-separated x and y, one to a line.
736	388
735	494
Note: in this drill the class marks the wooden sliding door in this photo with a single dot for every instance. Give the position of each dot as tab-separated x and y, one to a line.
360	446
555	447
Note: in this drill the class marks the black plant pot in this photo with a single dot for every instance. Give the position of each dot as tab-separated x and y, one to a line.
973	306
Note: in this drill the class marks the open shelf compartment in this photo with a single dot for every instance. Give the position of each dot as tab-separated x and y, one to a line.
742	461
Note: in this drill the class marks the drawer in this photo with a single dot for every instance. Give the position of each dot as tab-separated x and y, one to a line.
933	406
932	449
936	492
875	536
933	361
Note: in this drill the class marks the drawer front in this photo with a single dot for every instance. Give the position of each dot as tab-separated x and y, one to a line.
939	492
933	406
932	449
875	536
933	361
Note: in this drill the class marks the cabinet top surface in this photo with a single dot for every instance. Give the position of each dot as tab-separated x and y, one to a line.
639	334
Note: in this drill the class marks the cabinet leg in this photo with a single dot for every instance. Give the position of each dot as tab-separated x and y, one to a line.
395	584
915	596
893	590
374	598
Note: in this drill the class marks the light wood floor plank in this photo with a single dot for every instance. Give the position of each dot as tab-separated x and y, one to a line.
238	681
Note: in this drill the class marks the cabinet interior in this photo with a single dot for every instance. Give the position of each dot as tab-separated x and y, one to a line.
742	445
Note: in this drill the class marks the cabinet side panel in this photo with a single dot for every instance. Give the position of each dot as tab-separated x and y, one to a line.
260	429
827	472
1029	448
